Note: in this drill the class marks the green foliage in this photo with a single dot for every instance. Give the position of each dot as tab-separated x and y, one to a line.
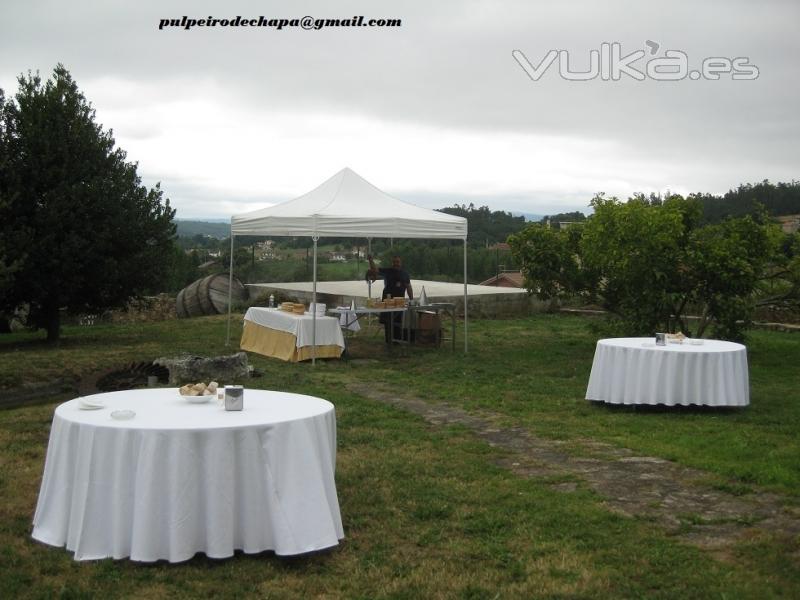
780	289
554	221
182	269
201	241
776	199
648	263
552	269
424	259
444	261
635	249
192	229
84	232
486	227
726	262
7	267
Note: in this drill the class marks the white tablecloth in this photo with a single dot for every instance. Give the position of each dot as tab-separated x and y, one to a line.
348	319
183	478
328	331
636	371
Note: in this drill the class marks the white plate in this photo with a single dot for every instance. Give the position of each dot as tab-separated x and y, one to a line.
198	399
122	415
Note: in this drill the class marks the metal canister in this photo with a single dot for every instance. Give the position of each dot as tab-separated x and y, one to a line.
234	397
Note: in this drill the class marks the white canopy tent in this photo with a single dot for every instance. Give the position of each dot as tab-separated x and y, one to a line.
347	205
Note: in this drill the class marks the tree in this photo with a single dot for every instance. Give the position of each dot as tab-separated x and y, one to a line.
7	267
776	199
649	264
780	289
636	248
554	221
486	227
552	268
85	234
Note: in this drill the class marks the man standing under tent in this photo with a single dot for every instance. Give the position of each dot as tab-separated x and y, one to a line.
396	283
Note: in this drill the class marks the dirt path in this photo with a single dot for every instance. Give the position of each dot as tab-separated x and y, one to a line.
669	494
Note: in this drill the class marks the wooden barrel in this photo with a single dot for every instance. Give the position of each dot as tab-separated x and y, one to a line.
208	296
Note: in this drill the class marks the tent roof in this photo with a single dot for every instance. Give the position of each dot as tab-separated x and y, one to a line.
347	205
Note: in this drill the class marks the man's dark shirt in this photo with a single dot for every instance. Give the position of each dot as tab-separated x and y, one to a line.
395	282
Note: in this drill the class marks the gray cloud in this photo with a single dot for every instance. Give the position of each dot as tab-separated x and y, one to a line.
449	66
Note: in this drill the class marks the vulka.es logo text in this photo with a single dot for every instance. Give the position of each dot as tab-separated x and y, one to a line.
609	64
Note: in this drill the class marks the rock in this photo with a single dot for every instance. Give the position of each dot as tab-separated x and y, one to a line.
228	370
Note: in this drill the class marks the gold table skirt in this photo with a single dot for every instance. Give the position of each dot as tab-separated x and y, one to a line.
280	344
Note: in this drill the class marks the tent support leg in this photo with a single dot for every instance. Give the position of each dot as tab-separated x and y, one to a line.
230	291
314	308
369	281
465	295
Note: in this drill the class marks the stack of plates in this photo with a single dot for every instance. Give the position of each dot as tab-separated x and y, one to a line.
321	308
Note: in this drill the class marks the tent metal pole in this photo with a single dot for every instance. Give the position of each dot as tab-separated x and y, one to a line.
314	308
369	281
230	292
465	295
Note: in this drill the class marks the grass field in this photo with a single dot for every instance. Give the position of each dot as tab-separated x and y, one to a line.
427	511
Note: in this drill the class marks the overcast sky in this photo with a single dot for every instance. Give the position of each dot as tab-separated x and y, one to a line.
436	111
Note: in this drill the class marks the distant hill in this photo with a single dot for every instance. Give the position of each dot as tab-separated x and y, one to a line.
778	199
485	226
193	228
532	217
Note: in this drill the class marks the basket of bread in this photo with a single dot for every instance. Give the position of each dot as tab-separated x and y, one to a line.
297	308
198	393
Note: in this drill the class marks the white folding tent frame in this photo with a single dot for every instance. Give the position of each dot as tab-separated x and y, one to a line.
346	205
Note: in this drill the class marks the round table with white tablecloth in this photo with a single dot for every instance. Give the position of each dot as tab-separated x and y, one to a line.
637	371
181	478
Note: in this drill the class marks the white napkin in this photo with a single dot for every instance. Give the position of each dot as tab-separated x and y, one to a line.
90	403
349	319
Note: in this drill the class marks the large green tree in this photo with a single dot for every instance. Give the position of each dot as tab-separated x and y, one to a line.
81	230
6	266
651	264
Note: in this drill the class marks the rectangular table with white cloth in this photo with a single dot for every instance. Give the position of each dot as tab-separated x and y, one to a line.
289	336
180	478
637	371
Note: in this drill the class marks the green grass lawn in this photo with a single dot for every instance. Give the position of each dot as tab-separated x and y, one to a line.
427	512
